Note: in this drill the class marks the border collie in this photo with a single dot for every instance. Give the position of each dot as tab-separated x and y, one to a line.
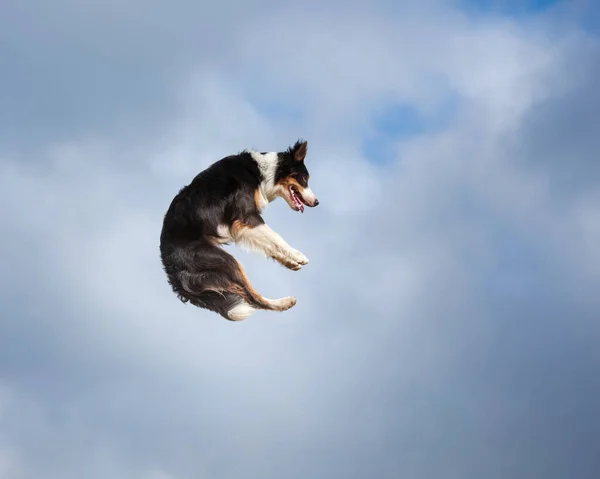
223	204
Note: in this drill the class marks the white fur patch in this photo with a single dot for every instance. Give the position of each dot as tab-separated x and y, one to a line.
224	234
284	303
241	312
267	165
261	239
265	241
308	195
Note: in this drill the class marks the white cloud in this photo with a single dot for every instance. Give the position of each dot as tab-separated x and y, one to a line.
392	324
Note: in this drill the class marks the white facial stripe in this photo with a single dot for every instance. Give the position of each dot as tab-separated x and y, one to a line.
308	195
267	165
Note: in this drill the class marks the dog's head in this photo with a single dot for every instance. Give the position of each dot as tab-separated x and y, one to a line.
291	178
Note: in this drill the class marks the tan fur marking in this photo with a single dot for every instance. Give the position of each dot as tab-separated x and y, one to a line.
248	284
289	181
238	228
257	198
285	183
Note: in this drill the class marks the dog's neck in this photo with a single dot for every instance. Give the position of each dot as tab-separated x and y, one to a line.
267	164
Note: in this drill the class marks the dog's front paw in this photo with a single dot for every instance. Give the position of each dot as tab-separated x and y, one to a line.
290	264
292	259
298	257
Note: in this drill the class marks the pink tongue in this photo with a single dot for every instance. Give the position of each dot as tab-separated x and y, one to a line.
298	203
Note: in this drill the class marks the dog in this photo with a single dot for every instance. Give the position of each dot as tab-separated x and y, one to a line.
223	204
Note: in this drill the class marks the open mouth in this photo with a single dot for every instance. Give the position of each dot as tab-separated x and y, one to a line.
297	199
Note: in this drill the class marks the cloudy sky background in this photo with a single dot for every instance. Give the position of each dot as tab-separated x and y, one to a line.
448	322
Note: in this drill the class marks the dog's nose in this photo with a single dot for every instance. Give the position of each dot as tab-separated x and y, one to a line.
316	202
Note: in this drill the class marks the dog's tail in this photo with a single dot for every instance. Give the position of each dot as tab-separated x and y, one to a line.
208	277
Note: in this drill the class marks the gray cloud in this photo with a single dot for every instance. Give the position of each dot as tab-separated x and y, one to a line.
445	322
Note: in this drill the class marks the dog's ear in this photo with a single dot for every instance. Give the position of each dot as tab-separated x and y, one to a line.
300	150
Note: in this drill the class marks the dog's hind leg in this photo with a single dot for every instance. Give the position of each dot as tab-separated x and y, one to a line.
242	309
215	280
232	300
255	299
229	305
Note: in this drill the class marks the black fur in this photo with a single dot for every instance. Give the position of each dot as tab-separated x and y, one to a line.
199	271
221	194
289	166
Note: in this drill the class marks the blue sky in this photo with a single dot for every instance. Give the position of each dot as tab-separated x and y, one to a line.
395	122
446	325
511	7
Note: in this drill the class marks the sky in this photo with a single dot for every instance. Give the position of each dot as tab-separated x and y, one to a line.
448	320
